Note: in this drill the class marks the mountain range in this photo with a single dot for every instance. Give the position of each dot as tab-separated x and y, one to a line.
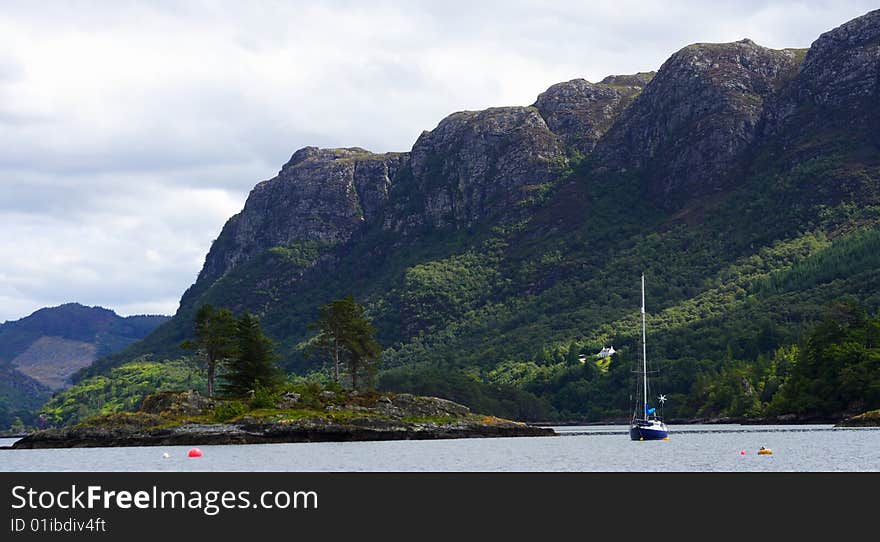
743	181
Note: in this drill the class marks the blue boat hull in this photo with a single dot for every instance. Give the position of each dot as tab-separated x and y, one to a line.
647	433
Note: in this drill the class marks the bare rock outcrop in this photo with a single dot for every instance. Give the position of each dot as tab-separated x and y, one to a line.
476	166
580	112
696	116
320	195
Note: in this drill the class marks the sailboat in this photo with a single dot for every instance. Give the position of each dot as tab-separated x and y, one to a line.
646	423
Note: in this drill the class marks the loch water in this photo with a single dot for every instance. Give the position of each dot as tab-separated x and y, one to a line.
690	448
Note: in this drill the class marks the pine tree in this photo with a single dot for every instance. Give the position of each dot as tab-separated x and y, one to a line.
347	337
215	339
363	350
255	362
573	357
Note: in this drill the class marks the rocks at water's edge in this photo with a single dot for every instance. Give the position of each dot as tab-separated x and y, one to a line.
867	419
308	430
185	418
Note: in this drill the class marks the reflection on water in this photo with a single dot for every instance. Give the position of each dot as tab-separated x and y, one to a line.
583	448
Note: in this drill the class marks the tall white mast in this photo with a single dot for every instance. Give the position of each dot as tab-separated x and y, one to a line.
644	357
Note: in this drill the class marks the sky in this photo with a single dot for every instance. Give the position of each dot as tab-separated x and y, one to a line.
131	131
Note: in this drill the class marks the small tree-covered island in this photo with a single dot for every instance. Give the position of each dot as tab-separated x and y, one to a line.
488	265
256	404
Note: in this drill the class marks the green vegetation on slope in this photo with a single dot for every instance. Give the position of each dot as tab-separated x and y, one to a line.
729	282
20	398
122	390
847	256
836	368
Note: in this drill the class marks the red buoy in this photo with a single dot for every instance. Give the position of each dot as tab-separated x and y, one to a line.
195	452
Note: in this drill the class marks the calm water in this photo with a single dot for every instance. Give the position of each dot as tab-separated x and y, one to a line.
592	448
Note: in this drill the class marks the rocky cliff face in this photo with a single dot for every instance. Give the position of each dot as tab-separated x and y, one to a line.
320	195
696	116
842	66
476	166
580	112
835	92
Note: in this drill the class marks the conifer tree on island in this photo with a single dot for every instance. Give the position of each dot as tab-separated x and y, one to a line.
215	340
254	364
347	337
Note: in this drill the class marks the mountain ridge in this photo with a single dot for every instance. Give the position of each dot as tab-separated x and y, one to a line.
506	239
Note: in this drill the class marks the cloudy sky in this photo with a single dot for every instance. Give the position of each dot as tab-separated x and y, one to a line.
130	131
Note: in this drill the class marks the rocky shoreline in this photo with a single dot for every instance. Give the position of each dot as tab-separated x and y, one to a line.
867	419
266	433
185	419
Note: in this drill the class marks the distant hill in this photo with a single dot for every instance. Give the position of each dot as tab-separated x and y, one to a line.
39	353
